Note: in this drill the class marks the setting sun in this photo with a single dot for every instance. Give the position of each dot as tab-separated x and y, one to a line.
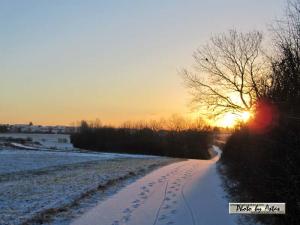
246	116
228	120
231	119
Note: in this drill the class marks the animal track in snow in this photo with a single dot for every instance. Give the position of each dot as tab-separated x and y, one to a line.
136	205
162	217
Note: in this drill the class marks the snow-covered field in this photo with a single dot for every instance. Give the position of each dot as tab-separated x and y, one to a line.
23	160
34	182
59	186
183	193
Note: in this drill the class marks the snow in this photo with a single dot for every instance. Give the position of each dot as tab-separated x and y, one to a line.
34	178
52	151
187	192
22	160
23	146
217	152
34	181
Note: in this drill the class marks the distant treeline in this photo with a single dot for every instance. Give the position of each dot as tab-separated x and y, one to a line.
3	128
187	143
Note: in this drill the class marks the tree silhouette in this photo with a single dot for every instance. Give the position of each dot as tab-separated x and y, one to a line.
230	73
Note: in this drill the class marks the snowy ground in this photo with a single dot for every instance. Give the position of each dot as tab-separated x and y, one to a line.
36	183
183	193
22	160
56	184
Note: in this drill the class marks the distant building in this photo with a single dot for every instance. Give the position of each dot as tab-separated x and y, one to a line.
25	128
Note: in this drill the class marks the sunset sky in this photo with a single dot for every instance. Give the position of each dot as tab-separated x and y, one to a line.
63	61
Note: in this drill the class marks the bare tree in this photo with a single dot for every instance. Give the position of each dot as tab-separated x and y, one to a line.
286	64
230	73
177	123
157	125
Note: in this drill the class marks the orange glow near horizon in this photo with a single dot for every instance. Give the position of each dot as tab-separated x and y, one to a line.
63	63
230	119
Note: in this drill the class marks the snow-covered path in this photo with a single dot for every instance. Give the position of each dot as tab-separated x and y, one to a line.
183	193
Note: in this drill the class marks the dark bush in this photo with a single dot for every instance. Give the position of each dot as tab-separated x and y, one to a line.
183	144
265	168
3	128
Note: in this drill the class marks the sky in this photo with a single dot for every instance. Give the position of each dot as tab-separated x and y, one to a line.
119	60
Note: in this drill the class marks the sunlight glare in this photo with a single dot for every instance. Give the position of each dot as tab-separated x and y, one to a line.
228	120
245	116
232	119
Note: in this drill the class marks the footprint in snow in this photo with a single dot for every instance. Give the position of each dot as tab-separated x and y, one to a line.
126	218
162	217
144	197
174	211
151	184
136	205
166	207
128	210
